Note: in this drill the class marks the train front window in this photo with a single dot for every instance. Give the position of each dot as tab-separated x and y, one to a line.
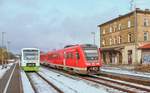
30	55
91	54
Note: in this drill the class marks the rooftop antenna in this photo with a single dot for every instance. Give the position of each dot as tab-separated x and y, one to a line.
131	5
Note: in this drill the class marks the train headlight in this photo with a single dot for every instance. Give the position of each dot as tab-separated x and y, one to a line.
97	63
93	63
87	64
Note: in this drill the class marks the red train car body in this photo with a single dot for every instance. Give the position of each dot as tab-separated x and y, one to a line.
83	59
43	58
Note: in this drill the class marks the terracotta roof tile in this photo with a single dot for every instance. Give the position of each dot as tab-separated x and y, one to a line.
145	46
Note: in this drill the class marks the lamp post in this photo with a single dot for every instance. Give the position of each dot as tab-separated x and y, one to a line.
2	56
93	33
8	43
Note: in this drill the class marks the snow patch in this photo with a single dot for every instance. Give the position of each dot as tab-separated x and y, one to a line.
3	71
27	88
126	72
70	85
40	85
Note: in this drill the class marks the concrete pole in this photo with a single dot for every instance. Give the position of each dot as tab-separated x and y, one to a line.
8	43
2	57
93	33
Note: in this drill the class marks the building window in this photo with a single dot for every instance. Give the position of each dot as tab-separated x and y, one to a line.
145	36
115	26
129	37
119	27
119	39
115	40
110	29
146	22
69	55
110	41
129	24
104	31
103	42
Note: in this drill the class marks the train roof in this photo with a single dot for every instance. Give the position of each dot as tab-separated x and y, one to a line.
30	49
82	45
72	46
88	45
49	52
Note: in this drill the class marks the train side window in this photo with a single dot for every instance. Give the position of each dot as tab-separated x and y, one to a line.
70	55
77	55
50	57
67	55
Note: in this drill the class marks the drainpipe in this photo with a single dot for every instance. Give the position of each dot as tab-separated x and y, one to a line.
135	33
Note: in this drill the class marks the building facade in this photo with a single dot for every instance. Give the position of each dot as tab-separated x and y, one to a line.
122	37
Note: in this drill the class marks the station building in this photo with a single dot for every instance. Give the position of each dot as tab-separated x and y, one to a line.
126	39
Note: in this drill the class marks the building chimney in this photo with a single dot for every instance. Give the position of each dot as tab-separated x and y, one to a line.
137	8
120	15
146	9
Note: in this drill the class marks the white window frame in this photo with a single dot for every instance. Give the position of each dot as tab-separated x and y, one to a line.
114	40
110	41
110	29
104	31
129	37
103	42
119	39
115	26
146	36
146	22
129	23
119	27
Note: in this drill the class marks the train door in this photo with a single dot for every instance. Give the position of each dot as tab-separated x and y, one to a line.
64	60
70	59
77	58
67	60
73	60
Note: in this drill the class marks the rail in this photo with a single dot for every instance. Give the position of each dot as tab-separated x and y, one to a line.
47	81
118	84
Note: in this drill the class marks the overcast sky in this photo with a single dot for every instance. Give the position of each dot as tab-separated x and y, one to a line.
52	24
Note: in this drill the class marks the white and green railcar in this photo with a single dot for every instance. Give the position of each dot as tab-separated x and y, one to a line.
30	59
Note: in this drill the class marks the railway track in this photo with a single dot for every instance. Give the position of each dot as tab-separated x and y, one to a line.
54	89
129	78
118	84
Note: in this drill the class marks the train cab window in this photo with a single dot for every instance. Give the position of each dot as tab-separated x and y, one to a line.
91	54
77	55
70	55
49	57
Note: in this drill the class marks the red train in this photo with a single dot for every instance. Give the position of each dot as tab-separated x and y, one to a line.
83	59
